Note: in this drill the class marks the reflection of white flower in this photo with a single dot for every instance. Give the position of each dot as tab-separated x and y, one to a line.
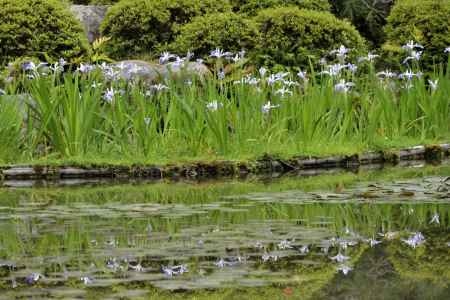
390	235
285	244
435	218
86	280
221	263
175	270
33	278
416	240
340	258
137	268
373	242
266	257
344	269
304	249
447	50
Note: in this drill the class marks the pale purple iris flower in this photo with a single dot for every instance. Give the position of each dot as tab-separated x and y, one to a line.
266	108
343	86
219	53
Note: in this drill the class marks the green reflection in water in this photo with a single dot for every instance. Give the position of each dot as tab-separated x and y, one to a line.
105	233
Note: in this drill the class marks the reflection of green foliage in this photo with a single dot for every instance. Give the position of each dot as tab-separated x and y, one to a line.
64	239
429	262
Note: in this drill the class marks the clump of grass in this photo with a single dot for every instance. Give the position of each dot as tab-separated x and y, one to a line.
342	108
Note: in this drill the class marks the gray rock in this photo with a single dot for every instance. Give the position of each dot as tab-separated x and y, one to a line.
140	70
91	16
153	72
186	71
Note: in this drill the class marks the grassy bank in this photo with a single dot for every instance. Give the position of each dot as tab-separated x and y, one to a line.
91	115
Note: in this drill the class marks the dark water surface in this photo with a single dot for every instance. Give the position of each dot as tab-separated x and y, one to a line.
372	235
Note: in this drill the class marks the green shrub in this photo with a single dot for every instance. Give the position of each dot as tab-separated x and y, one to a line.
292	37
228	31
426	22
39	28
252	7
368	16
143	26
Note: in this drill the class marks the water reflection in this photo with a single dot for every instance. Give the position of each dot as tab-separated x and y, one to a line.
392	235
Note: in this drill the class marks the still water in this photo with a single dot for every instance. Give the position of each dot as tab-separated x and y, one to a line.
373	235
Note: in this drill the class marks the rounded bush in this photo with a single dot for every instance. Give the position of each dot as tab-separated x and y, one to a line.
426	22
229	31
39	28
148	26
252	7
293	37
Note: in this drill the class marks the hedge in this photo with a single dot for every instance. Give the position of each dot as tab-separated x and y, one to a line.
426	22
39	28
292	37
149	26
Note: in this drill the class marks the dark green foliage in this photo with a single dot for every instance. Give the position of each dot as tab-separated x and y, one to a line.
148	26
426	22
368	16
39	28
252	7
291	36
228	31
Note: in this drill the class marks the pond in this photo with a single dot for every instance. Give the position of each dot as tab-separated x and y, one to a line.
381	234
